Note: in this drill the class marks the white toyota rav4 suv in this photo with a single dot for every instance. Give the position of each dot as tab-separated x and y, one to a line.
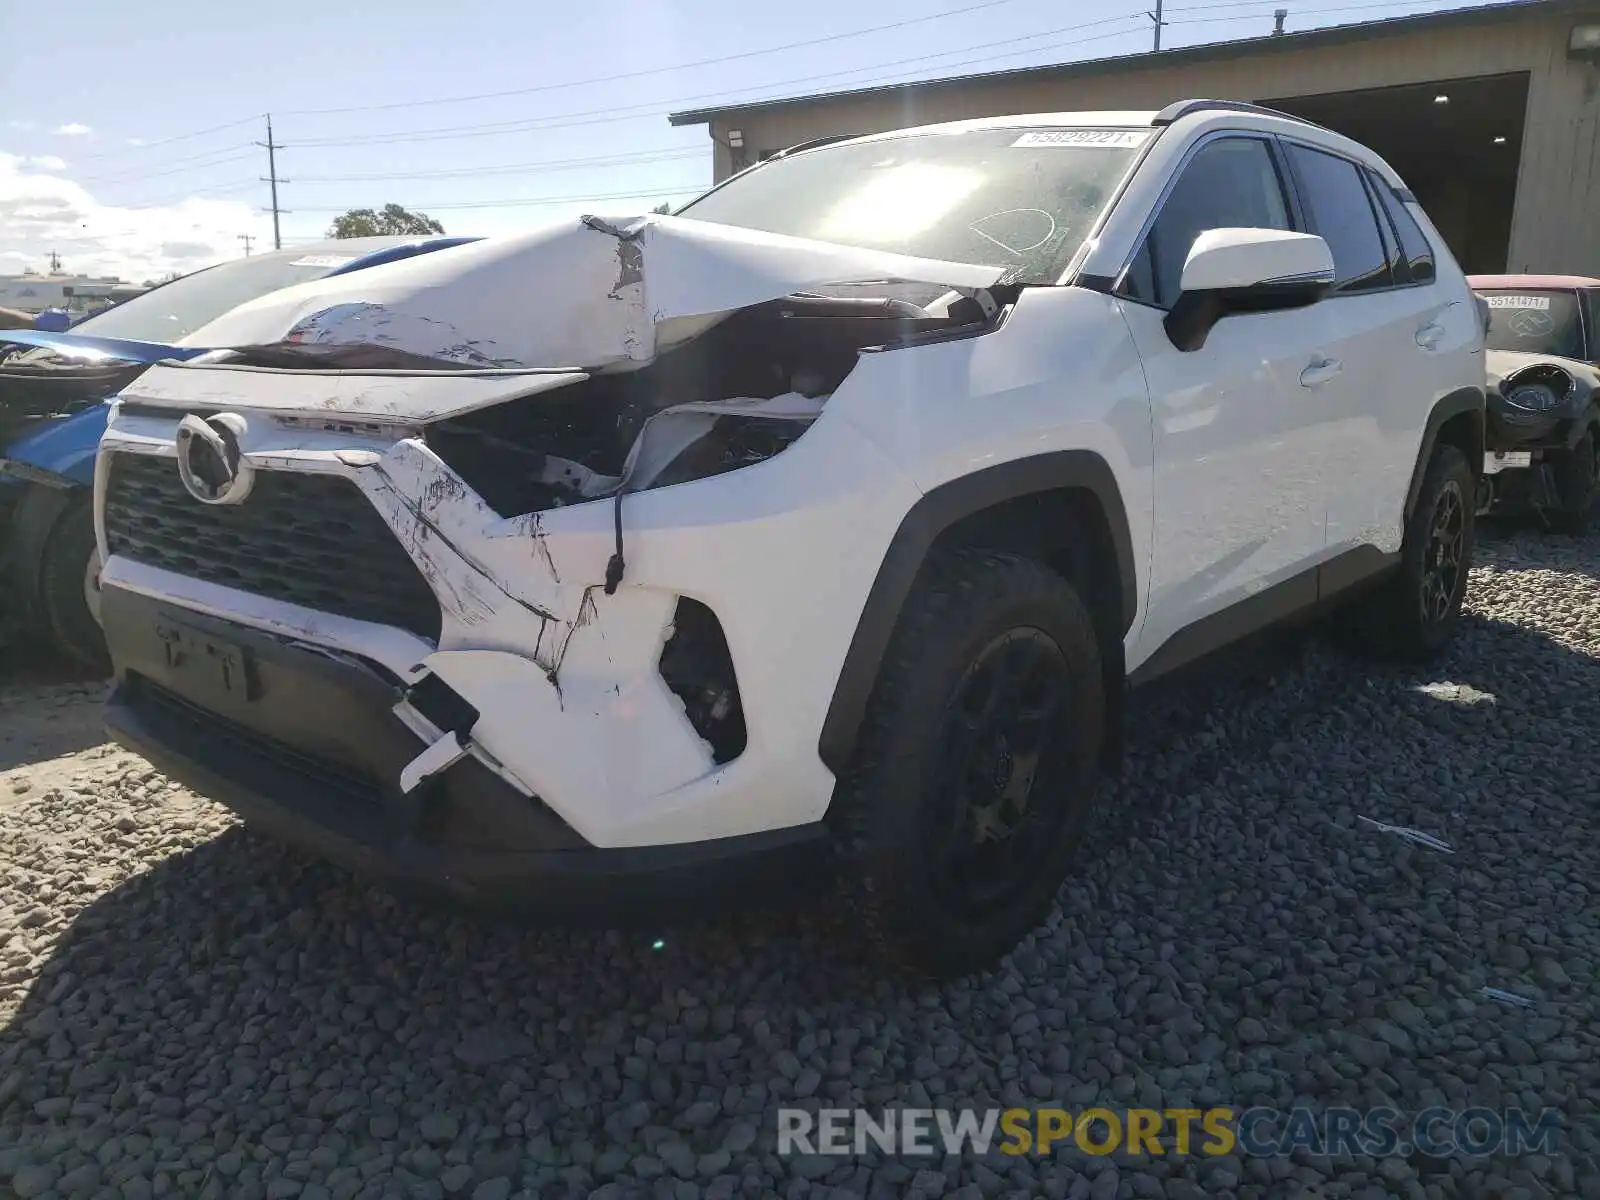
812	533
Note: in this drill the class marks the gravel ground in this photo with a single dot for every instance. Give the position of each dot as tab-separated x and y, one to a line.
188	1010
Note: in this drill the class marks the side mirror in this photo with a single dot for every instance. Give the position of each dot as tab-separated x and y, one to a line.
1233	271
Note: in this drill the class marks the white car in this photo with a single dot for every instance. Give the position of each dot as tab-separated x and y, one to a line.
812	532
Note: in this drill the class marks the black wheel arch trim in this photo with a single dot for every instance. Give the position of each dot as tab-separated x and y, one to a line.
1454	404
934	513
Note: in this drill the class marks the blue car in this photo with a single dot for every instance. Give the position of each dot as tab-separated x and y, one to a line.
53	392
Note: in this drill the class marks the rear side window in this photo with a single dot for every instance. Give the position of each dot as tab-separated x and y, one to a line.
1230	183
1415	252
1338	209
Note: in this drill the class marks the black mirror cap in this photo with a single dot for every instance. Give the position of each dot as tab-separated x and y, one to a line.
1190	321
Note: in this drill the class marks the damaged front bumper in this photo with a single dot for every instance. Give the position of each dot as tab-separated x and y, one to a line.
571	706
306	746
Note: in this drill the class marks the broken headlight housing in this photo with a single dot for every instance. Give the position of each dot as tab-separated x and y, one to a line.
1539	389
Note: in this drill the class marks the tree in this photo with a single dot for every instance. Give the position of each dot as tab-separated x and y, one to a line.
664	208
391	218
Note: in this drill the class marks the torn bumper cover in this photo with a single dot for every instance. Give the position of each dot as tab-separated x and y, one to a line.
675	717
307	748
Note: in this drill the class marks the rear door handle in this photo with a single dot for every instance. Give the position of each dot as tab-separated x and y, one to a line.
1318	373
1430	335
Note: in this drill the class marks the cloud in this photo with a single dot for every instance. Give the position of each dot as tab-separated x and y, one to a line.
134	141
15	123
73	129
42	212
45	162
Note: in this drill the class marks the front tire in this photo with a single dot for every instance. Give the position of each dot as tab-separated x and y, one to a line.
977	765
69	586
1414	614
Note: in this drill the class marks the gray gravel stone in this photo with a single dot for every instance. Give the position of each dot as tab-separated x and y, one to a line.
189	1010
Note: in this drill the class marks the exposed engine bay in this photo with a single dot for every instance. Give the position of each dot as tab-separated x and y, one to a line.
737	394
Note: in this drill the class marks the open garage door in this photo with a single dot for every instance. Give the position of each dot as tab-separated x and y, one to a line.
1456	142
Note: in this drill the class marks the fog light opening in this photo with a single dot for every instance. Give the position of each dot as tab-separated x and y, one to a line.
698	668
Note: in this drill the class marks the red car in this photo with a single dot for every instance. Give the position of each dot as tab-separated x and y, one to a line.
1542	442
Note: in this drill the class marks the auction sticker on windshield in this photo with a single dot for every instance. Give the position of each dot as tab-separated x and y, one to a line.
323	260
1542	303
1121	139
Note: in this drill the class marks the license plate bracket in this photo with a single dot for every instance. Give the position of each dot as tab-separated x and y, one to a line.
213	670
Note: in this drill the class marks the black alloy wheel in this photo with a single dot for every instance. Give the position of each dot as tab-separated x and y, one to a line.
1443	555
1001	806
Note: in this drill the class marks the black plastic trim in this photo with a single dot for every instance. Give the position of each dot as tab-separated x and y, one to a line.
1462	400
1300	595
937	511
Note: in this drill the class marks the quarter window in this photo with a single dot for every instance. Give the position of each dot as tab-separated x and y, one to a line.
1230	183
1415	251
1339	211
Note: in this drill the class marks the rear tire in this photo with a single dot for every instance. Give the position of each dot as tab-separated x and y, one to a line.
68	584
1414	613
977	764
1574	472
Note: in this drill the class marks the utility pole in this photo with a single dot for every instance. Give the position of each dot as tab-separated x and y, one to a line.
55	263
246	239
1156	17
272	148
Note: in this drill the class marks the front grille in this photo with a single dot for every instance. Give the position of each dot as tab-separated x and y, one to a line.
312	540
226	745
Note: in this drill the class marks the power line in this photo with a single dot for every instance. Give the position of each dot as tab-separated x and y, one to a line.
651	108
166	141
1303	12
688	66
199	162
307	112
535	201
635	158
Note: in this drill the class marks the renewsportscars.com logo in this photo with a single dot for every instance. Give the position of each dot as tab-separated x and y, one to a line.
1257	1132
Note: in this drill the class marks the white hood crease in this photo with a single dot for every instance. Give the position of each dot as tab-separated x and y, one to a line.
584	294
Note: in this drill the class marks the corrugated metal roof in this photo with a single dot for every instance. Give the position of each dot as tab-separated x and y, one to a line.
1332	35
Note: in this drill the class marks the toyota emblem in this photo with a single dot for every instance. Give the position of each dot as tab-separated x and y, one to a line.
209	462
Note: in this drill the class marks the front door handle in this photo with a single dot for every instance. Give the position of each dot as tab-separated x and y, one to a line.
1319	372
1430	335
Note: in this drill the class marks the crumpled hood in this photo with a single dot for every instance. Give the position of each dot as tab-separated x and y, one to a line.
1501	363
585	293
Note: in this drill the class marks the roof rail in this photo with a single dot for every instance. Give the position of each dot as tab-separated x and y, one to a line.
812	144
1182	108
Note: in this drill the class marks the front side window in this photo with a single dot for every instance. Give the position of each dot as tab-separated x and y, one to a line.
1535	322
1339	211
1230	183
1023	199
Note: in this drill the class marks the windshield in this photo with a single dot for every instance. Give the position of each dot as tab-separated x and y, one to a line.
173	311
1021	199
1534	322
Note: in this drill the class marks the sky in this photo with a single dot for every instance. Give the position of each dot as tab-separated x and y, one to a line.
129	133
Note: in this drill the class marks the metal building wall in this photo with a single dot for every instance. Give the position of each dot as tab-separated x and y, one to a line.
1556	220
